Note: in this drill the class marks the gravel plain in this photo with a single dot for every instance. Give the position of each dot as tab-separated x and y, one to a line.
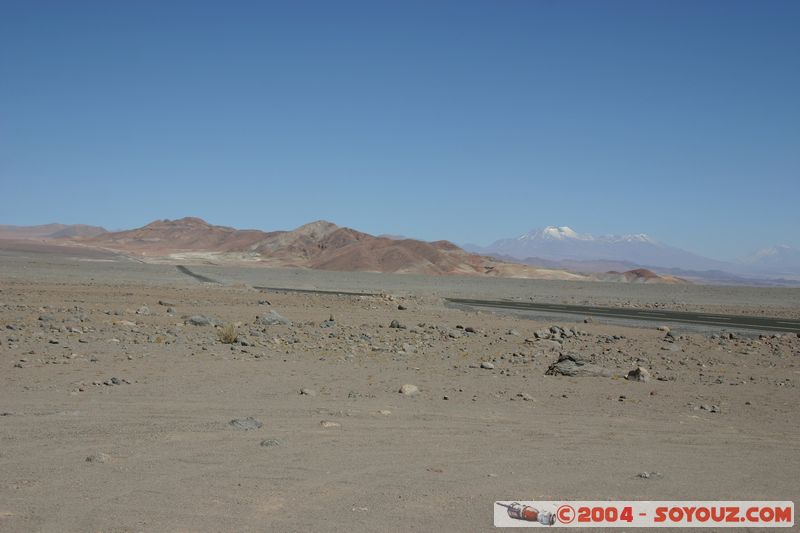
117	413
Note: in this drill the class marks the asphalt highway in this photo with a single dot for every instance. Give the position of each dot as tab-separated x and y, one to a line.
653	315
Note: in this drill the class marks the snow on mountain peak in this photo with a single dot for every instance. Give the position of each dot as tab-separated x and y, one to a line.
637	237
553	233
560	232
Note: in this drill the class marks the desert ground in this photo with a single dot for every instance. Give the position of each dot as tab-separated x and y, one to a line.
122	408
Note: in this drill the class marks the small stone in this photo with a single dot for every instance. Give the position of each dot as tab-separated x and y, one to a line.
575	365
401	307
308	392
245	424
385	412
273	318
329	424
269	443
167	303
487	365
665	329
588	320
638	374
143	310
409	390
99	457
200	320
395	324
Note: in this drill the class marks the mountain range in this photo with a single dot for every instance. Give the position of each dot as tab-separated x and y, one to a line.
49	231
562	247
554	252
318	245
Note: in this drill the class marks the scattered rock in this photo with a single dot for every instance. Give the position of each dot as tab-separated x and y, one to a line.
638	374
200	320
401	307
395	324
487	365
245	424
308	392
409	390
665	329
269	443
385	412
649	475
588	320
273	318
167	303
143	310
99	457
329	424
575	365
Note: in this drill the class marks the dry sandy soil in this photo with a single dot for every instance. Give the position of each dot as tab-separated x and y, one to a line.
116	417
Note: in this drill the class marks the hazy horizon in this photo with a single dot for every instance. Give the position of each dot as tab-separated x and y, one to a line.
465	121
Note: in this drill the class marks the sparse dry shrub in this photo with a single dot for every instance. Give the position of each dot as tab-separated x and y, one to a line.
227	334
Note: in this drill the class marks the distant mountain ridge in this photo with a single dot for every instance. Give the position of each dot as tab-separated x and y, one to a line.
563	247
319	245
777	260
564	244
49	231
325	246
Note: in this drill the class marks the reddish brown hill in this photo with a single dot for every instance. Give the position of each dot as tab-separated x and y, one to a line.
189	234
320	245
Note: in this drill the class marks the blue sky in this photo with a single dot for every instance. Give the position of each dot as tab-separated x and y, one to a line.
468	121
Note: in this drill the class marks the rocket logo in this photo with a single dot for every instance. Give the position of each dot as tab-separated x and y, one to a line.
527	513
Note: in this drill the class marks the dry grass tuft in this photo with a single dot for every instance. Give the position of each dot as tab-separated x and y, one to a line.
227	334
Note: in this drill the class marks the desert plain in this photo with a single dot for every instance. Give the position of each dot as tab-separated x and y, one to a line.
136	397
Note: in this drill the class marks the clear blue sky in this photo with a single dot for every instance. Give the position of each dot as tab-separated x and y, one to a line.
461	120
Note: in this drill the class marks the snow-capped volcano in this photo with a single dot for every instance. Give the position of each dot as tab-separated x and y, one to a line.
565	233
559	243
558	233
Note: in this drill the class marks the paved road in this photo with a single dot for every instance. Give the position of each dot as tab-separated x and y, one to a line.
706	319
198	277
315	291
